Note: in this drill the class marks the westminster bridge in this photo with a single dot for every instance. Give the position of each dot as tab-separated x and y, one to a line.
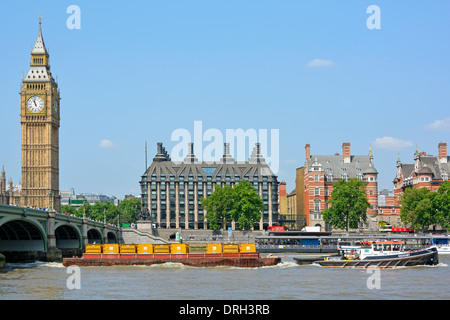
28	234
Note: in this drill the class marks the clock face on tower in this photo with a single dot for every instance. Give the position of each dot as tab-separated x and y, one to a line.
35	104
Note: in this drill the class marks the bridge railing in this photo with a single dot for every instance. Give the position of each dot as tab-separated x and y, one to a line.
59	216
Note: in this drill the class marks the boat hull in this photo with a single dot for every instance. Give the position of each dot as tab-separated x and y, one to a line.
406	259
310	260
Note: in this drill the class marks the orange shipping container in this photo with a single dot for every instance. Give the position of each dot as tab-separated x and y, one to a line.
127	248
144	248
93	248
179	248
110	249
214	248
230	248
248	247
161	248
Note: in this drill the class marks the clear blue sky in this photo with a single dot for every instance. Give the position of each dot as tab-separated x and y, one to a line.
138	70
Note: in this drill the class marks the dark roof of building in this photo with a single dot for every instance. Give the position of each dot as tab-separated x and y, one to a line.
292	193
226	167
428	164
425	170
337	167
407	170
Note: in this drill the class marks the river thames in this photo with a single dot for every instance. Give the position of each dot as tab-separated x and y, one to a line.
286	281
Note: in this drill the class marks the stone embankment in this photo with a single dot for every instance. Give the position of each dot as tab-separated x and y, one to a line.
163	236
133	236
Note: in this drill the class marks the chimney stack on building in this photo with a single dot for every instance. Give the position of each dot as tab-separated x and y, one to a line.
227	158
190	157
162	154
308	151
443	152
346	152
282	189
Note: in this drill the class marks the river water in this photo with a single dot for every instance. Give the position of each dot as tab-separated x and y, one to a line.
287	281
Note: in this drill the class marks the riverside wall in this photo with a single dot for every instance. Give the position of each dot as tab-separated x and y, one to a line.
161	236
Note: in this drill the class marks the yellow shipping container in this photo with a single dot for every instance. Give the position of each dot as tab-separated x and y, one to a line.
230	248
94	248
248	247
111	248
144	248
161	248
127	248
179	248
214	248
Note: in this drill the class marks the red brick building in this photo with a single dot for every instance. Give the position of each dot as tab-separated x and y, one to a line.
388	210
321	172
427	171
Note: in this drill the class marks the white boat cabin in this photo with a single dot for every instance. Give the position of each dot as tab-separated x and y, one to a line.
372	248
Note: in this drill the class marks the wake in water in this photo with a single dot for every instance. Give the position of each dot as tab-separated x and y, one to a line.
32	265
24	265
173	265
282	265
439	265
53	265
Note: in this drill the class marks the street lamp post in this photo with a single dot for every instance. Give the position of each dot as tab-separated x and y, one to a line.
50	207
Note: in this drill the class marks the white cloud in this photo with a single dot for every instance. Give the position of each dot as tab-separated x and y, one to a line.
105	144
320	63
391	143
439	125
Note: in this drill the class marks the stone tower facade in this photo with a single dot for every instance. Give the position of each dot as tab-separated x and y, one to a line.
40	121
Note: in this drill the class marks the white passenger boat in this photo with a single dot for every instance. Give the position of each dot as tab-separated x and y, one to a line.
442	243
443	248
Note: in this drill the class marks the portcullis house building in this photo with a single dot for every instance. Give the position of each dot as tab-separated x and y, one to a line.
171	191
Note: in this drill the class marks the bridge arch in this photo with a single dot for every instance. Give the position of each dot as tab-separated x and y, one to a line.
94	235
21	235
111	237
68	237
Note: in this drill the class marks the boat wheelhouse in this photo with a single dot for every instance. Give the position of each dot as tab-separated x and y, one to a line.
380	248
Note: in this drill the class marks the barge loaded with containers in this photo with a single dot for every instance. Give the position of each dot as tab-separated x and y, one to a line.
233	255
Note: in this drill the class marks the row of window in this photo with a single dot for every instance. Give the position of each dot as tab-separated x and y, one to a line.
38	60
200	187
36	86
191	214
317	192
199	177
344	176
208	185
318	209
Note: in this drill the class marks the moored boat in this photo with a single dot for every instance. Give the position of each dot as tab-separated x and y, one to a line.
381	254
443	248
442	243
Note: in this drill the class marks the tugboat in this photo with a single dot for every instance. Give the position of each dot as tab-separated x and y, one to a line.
380	254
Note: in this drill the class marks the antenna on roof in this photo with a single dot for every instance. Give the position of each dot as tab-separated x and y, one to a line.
146	167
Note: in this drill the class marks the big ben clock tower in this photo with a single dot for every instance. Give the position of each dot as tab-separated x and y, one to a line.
40	118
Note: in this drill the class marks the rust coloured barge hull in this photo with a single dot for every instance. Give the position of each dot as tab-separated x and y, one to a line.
193	260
